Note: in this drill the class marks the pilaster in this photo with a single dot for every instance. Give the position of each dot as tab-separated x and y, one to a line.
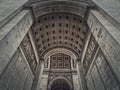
38	75
11	36
33	45
80	69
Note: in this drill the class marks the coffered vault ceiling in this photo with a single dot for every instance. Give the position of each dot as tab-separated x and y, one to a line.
60	30
59	24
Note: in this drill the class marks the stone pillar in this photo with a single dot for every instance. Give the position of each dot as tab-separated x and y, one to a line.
44	81
86	45
80	70
33	45
76	83
11	36
38	75
106	35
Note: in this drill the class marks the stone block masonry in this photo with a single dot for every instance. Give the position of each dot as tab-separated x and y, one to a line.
11	36
8	9
107	37
17	75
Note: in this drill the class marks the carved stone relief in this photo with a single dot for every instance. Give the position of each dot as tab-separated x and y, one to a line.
109	79
54	75
60	61
60	66
91	50
29	53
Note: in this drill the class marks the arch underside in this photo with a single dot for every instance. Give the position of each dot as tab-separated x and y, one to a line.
60	30
60	24
77	7
64	50
44	42
66	84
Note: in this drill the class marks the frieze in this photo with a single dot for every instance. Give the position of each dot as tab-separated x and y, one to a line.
107	39
91	49
29	53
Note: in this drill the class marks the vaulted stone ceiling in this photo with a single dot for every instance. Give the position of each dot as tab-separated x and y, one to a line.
59	24
42	7
60	30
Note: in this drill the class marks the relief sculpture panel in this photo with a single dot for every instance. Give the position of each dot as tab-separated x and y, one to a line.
29	53
90	52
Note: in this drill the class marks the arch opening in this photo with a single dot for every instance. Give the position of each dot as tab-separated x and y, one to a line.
60	50
60	83
60	30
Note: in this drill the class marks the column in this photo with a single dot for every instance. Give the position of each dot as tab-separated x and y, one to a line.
38	75
33	45
80	70
86	45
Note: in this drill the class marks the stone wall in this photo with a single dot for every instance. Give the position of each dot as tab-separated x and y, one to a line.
11	36
29	52
9	8
101	76
109	8
107	37
44	82
90	53
104	73
17	75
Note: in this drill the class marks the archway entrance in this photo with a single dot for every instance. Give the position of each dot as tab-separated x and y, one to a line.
60	84
60	75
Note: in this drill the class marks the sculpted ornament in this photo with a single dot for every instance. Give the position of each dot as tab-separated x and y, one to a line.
28	50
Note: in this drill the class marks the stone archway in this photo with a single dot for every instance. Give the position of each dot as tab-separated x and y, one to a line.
60	83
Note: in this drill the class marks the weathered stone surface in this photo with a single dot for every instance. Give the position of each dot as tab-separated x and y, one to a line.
66	6
29	52
90	83
76	83
111	9
17	75
33	44
44	82
96	79
90	53
101	76
37	84
107	37
107	76
8	9
11	36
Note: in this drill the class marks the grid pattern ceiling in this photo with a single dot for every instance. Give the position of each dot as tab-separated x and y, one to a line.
60	30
